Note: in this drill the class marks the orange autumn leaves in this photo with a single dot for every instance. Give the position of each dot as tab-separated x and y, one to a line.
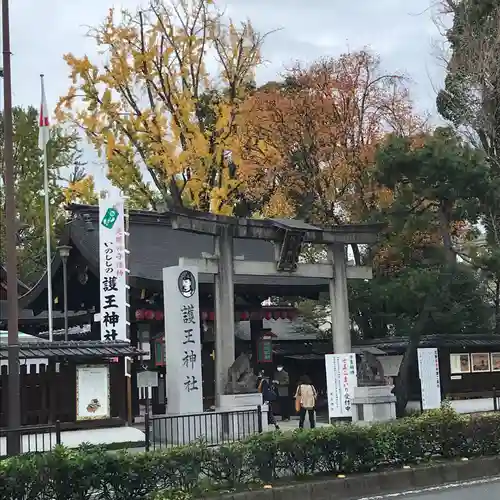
309	143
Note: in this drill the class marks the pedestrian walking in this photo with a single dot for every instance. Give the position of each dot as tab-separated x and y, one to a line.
283	381
269	394
305	401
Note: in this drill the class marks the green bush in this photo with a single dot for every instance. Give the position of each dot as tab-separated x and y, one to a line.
184	473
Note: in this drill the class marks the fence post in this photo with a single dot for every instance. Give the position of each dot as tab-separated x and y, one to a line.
495	399
58	432
146	432
259	419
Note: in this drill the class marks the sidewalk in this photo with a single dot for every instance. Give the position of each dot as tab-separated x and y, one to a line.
293	423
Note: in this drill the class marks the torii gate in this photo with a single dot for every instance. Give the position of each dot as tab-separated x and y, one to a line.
288	236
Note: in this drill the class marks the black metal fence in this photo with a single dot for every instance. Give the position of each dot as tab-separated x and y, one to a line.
214	428
32	438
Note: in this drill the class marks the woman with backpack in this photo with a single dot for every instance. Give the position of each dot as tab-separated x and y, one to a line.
269	394
305	401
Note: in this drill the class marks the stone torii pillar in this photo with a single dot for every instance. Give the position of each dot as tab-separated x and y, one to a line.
288	235
339	303
224	307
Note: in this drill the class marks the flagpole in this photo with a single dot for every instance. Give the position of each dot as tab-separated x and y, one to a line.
47	222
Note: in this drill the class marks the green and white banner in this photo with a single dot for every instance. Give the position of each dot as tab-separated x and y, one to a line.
112	263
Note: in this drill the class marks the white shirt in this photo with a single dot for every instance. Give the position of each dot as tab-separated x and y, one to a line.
307	395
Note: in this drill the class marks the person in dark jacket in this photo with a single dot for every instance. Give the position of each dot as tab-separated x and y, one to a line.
269	394
283	382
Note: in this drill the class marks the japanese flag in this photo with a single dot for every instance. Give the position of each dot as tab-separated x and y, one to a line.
44	125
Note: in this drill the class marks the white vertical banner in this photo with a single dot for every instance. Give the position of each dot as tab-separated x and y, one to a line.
182	340
430	383
341	379
112	267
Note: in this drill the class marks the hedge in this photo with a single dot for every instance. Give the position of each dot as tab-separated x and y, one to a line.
191	472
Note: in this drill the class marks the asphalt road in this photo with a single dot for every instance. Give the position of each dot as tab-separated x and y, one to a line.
487	489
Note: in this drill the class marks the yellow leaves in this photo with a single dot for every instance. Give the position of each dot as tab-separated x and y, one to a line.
106	98
110	145
82	191
279	206
90	122
83	65
150	106
386	197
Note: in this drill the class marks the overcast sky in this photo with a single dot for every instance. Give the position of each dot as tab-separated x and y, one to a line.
402	32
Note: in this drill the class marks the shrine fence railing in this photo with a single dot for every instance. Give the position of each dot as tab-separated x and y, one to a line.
32	438
214	428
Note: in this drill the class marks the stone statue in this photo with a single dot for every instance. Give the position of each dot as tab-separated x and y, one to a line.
241	378
370	371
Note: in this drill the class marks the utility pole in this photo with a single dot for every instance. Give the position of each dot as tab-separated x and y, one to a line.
14	386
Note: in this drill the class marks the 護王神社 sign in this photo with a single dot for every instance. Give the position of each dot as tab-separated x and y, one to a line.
182	340
112	267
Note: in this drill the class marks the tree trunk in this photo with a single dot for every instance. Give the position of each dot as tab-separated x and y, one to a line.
444	224
497	307
356	253
401	384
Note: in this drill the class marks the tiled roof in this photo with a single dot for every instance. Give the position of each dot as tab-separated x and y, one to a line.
457	341
59	350
154	244
21	287
28	316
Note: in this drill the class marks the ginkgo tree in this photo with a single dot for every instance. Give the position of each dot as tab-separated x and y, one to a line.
166	125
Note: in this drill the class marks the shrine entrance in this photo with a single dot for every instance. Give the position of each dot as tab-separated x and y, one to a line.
288	238
241	262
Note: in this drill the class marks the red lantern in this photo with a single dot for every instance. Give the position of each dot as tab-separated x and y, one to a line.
276	314
244	316
268	315
149	315
159	315
283	315
204	315
211	316
139	314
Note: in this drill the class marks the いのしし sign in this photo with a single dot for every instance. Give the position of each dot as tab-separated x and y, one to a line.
113	272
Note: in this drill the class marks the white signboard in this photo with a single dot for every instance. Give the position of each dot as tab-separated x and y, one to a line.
430	384
182	340
341	379
147	379
92	392
113	278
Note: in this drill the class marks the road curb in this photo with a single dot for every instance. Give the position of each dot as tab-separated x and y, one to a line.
378	483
